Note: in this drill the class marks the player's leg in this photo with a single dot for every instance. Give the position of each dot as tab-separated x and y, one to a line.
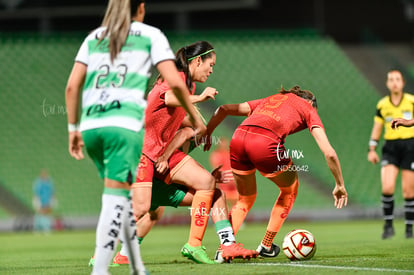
228	248
244	176
408	194
161	194
194	176
120	149
389	175
407	176
109	228
144	226
142	187
218	213
246	186
130	242
220	218
288	184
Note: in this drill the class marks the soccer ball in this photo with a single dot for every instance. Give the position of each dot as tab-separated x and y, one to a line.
299	245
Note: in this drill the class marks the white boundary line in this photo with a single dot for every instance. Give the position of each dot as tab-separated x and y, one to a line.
336	267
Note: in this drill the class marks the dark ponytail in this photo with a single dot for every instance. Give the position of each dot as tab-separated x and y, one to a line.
185	55
301	93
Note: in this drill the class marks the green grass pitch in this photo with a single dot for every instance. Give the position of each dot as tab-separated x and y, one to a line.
344	247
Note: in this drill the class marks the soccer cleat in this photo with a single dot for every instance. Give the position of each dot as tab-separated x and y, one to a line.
388	232
265	253
235	250
408	232
92	262
196	254
120	259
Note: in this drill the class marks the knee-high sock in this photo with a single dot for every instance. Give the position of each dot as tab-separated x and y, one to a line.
109	227
409	212
388	208
280	211
129	240
200	209
239	211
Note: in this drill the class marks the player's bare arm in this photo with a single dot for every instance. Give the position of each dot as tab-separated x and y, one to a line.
208	93
169	72
72	94
373	142
241	109
339	193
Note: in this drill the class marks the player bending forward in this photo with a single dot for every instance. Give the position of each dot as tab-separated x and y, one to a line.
258	144
178	195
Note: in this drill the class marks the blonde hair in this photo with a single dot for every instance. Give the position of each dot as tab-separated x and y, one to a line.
117	21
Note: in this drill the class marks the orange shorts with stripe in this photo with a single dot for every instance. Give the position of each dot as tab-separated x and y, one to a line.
146	168
254	148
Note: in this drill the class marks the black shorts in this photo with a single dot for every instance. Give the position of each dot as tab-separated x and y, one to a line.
399	152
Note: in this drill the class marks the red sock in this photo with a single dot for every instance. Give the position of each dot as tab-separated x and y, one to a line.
239	211
268	238
281	209
200	209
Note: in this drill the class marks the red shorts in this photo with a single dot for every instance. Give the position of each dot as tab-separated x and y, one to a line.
146	168
254	148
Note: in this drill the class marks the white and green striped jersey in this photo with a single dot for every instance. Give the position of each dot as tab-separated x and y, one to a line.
113	93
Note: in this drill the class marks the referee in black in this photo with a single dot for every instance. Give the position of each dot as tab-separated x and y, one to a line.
397	152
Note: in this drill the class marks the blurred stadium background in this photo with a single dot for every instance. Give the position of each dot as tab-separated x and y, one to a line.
340	50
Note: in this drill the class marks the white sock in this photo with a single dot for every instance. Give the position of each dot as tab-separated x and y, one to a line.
108	231
226	236
130	244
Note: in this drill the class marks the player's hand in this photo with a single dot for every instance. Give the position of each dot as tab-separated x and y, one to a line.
162	164
395	123
401	122
216	173
208	93
373	157
75	145
222	176
340	196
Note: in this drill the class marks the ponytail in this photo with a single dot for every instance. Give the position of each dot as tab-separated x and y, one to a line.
117	21
185	55
301	93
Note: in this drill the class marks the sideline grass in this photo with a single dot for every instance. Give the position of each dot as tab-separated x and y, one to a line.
345	247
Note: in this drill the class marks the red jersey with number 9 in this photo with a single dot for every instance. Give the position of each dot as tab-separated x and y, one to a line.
161	121
283	114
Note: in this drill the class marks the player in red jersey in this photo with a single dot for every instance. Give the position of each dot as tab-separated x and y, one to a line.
164	117
258	144
176	195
